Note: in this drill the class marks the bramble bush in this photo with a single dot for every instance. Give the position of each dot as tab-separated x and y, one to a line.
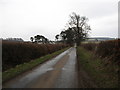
14	53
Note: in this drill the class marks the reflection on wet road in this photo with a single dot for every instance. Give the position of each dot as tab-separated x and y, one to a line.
59	72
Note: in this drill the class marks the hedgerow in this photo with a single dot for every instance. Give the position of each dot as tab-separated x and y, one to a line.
105	49
14	53
110	49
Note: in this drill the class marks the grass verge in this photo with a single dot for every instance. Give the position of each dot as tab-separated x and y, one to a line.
104	76
10	73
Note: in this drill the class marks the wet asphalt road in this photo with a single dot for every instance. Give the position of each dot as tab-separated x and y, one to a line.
59	72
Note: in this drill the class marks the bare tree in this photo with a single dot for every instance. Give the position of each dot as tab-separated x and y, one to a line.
79	26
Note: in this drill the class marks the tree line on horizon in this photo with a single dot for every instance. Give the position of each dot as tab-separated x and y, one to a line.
76	30
39	39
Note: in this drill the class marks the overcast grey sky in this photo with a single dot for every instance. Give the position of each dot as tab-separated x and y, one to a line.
26	18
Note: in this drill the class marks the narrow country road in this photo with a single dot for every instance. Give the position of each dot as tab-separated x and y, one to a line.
59	72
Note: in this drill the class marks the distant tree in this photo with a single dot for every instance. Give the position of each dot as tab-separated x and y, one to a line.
63	35
40	38
79	26
37	38
57	37
15	39
31	38
46	40
69	36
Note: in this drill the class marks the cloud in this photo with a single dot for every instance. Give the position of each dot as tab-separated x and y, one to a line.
25	18
105	26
